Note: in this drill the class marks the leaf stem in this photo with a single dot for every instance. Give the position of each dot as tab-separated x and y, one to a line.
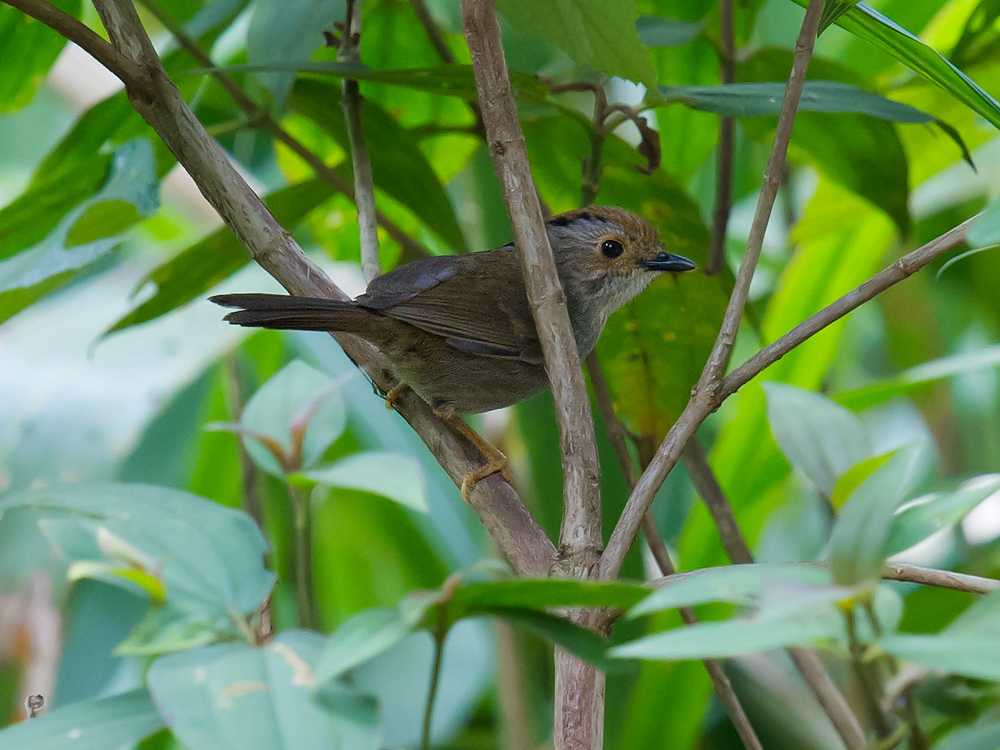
440	634
304	601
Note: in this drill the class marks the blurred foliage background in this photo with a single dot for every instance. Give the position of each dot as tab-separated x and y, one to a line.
114	369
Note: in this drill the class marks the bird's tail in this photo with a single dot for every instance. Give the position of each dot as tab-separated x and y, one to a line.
293	313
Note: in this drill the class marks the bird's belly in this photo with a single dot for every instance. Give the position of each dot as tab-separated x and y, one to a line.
453	381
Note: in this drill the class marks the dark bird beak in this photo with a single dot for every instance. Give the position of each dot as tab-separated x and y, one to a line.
668	262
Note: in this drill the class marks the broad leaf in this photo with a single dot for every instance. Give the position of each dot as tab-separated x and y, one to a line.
858	541
86	233
600	34
821	439
395	476
237	696
655	31
106	723
288	33
927	515
299	406
976	656
209	557
28	48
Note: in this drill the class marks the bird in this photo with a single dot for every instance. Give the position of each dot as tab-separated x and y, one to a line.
458	329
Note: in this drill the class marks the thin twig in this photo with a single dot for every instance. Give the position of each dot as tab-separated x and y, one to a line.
705	400
617	437
703	478
304	599
82	36
156	98
440	634
434	34
867	679
725	149
364	183
903	268
263	119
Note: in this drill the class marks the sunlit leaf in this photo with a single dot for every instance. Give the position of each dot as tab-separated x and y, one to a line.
28	48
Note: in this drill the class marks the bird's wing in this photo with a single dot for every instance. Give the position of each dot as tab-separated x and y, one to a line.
447	295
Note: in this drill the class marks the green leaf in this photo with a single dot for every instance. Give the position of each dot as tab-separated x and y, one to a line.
858	541
129	194
985	232
868	24
758	99
296	398
655	31
735	637
399	167
582	643
600	34
213	259
368	634
392	475
821	439
209	557
976	656
234	695
928	515
28	48
982	736
916	377
541	594
105	723
287	33
737	584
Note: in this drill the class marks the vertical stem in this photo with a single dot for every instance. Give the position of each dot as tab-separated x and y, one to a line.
303	558
364	183
440	633
724	152
867	679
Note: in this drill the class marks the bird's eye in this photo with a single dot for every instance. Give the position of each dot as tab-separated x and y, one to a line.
612	249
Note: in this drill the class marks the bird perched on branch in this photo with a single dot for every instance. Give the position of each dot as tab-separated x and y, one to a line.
458	329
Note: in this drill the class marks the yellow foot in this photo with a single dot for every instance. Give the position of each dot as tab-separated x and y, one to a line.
497	464
391	396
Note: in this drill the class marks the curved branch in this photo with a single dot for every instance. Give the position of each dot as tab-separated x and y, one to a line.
82	36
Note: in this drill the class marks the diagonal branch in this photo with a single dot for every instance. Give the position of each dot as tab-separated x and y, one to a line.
156	98
705	398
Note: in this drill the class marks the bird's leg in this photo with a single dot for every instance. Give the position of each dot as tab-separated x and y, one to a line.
391	396
496	462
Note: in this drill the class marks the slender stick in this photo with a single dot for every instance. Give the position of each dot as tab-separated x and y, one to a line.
580	533
440	634
304	600
903	268
616	435
156	98
705	398
364	183
433	32
725	149
703	478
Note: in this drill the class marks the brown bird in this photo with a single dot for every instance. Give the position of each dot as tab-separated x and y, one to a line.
458	330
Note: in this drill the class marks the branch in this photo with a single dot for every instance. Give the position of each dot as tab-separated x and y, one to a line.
616	435
82	36
156	98
903	268
705	398
580	534
943	579
364	183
